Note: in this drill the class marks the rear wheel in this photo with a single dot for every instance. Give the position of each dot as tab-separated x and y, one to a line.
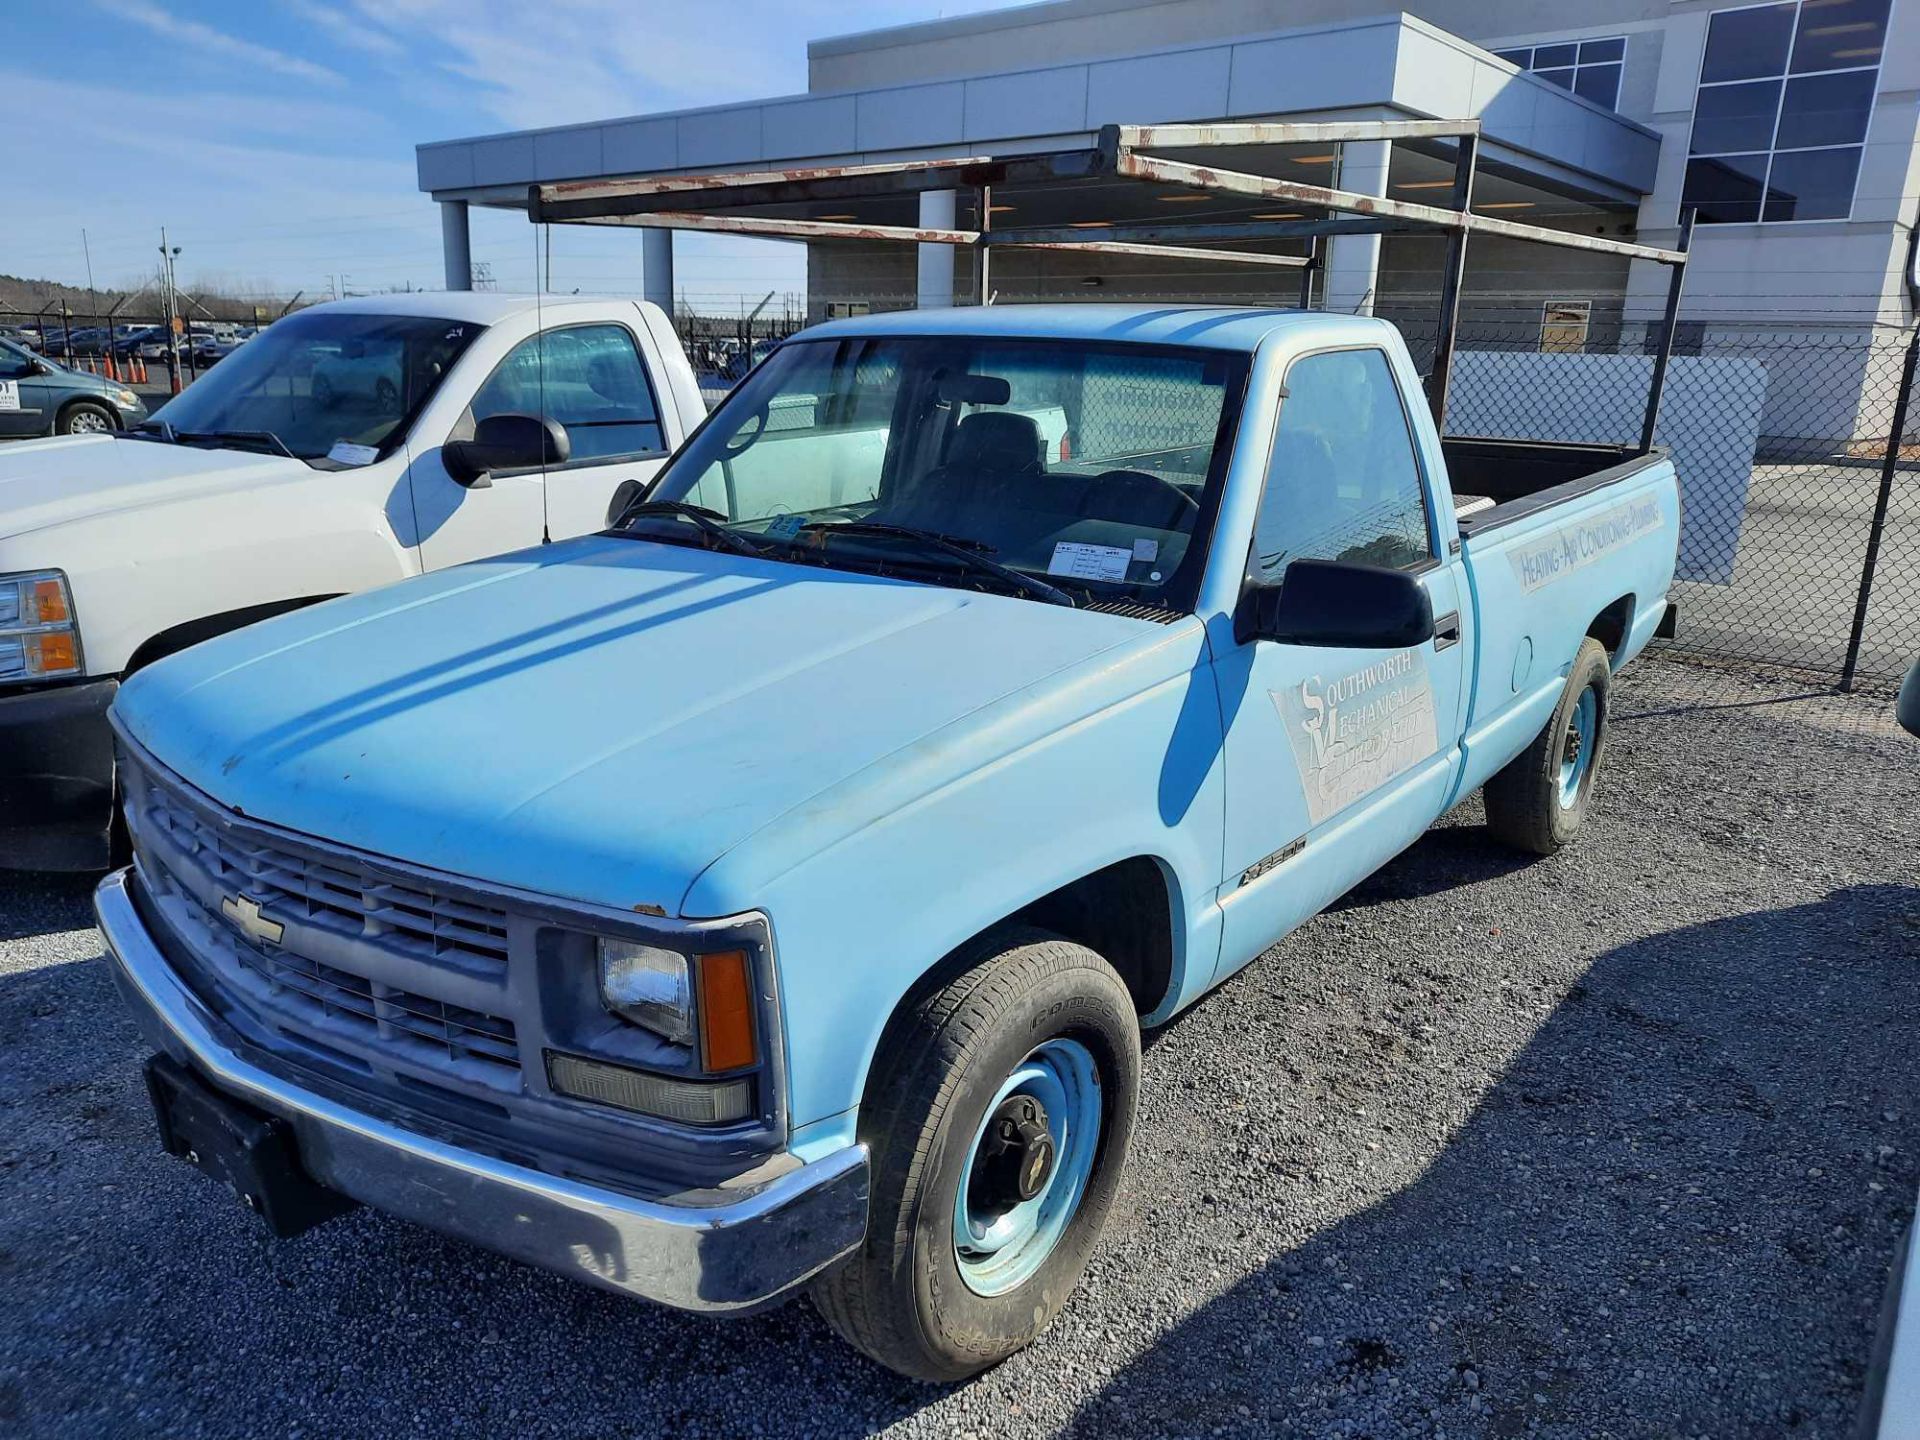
998	1116
85	417
1538	801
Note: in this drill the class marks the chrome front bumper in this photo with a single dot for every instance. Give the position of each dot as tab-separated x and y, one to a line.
732	1256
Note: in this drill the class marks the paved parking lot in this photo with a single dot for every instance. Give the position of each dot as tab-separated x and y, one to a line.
1615	1143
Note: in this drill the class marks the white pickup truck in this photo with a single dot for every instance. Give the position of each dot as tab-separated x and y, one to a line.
347	446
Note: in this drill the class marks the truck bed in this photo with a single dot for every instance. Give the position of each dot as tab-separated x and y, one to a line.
1496	482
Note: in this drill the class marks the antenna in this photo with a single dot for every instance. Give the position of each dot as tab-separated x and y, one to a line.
540	369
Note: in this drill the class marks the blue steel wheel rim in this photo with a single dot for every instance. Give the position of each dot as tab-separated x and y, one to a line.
998	1250
1576	751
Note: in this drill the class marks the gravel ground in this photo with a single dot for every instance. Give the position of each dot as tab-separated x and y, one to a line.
1617	1143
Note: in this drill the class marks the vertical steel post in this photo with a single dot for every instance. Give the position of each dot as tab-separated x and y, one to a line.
1466	156
981	250
1895	434
1669	323
1306	272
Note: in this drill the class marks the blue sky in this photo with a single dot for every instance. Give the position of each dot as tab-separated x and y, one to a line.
274	138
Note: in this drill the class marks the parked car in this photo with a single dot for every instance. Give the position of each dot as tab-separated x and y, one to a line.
40	397
136	338
27	337
245	496
771	890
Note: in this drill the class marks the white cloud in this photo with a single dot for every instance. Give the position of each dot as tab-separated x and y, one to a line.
357	33
218	42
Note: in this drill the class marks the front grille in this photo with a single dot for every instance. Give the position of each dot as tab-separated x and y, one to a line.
407	918
329	999
384	970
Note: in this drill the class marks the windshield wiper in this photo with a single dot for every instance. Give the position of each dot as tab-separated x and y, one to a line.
708	522
974	555
257	437
152	430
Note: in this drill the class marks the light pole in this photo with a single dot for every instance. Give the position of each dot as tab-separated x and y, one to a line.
167	257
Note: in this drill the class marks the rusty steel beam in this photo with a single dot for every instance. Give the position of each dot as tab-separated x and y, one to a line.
1204	230
1144	137
1208	177
793	229
1170	252
589	200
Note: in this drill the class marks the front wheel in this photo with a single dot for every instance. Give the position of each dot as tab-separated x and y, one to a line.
1538	801
998	1115
84	417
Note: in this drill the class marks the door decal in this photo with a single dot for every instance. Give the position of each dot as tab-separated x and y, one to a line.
1353	733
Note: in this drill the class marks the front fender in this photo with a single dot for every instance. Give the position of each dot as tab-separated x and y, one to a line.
872	882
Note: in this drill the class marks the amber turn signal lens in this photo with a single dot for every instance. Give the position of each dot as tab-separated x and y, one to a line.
726	1011
50	603
57	653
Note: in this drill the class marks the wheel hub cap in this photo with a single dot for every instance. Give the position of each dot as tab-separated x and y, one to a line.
1030	1163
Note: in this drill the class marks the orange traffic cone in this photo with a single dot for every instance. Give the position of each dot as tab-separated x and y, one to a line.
113	368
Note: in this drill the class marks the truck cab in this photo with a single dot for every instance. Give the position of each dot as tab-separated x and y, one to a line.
324	457
786	874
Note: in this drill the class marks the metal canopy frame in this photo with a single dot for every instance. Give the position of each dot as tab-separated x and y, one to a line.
689	202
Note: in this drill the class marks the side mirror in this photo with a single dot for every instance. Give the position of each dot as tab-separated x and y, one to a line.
624	494
506	442
1327	603
1907	709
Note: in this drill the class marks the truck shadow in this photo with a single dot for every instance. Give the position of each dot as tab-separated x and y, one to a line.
1700	1160
32	905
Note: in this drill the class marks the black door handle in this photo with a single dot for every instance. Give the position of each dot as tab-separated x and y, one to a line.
1446	630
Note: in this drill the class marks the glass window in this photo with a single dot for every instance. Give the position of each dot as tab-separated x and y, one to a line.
591	379
1094	467
1826	110
1343	482
1735	119
1589	68
1598	83
1726	189
1742	44
1812	184
1840	35
1785	97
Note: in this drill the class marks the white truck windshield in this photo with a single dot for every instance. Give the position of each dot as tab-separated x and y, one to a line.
321	379
1091	466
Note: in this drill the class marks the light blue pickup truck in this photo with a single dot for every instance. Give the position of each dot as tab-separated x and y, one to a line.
771	890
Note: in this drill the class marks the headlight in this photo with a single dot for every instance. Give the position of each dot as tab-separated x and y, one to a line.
653	988
699	1000
38	639
126	397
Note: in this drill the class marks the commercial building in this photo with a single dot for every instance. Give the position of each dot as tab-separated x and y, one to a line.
1789	127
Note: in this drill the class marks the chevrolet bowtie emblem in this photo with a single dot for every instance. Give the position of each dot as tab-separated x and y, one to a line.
255	926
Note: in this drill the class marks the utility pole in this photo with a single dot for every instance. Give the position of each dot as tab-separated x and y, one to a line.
167	256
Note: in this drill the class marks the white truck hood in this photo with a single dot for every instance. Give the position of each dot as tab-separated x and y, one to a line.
53	482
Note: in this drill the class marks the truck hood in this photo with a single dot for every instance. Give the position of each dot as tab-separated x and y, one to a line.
50	482
600	719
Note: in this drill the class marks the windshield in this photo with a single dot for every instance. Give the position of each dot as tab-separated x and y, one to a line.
1092	467
323	378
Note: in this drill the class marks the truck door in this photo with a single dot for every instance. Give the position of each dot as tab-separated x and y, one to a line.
591	378
1337	759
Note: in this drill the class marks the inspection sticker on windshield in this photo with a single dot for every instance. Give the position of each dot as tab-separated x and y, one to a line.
346	452
1089	562
9	394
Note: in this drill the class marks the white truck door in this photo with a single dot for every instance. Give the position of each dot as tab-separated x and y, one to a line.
1337	759
593	378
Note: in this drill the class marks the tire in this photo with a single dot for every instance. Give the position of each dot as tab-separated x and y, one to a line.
1029	1005
1538	801
86	417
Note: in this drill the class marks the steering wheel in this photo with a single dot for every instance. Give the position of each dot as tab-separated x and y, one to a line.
1139	483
